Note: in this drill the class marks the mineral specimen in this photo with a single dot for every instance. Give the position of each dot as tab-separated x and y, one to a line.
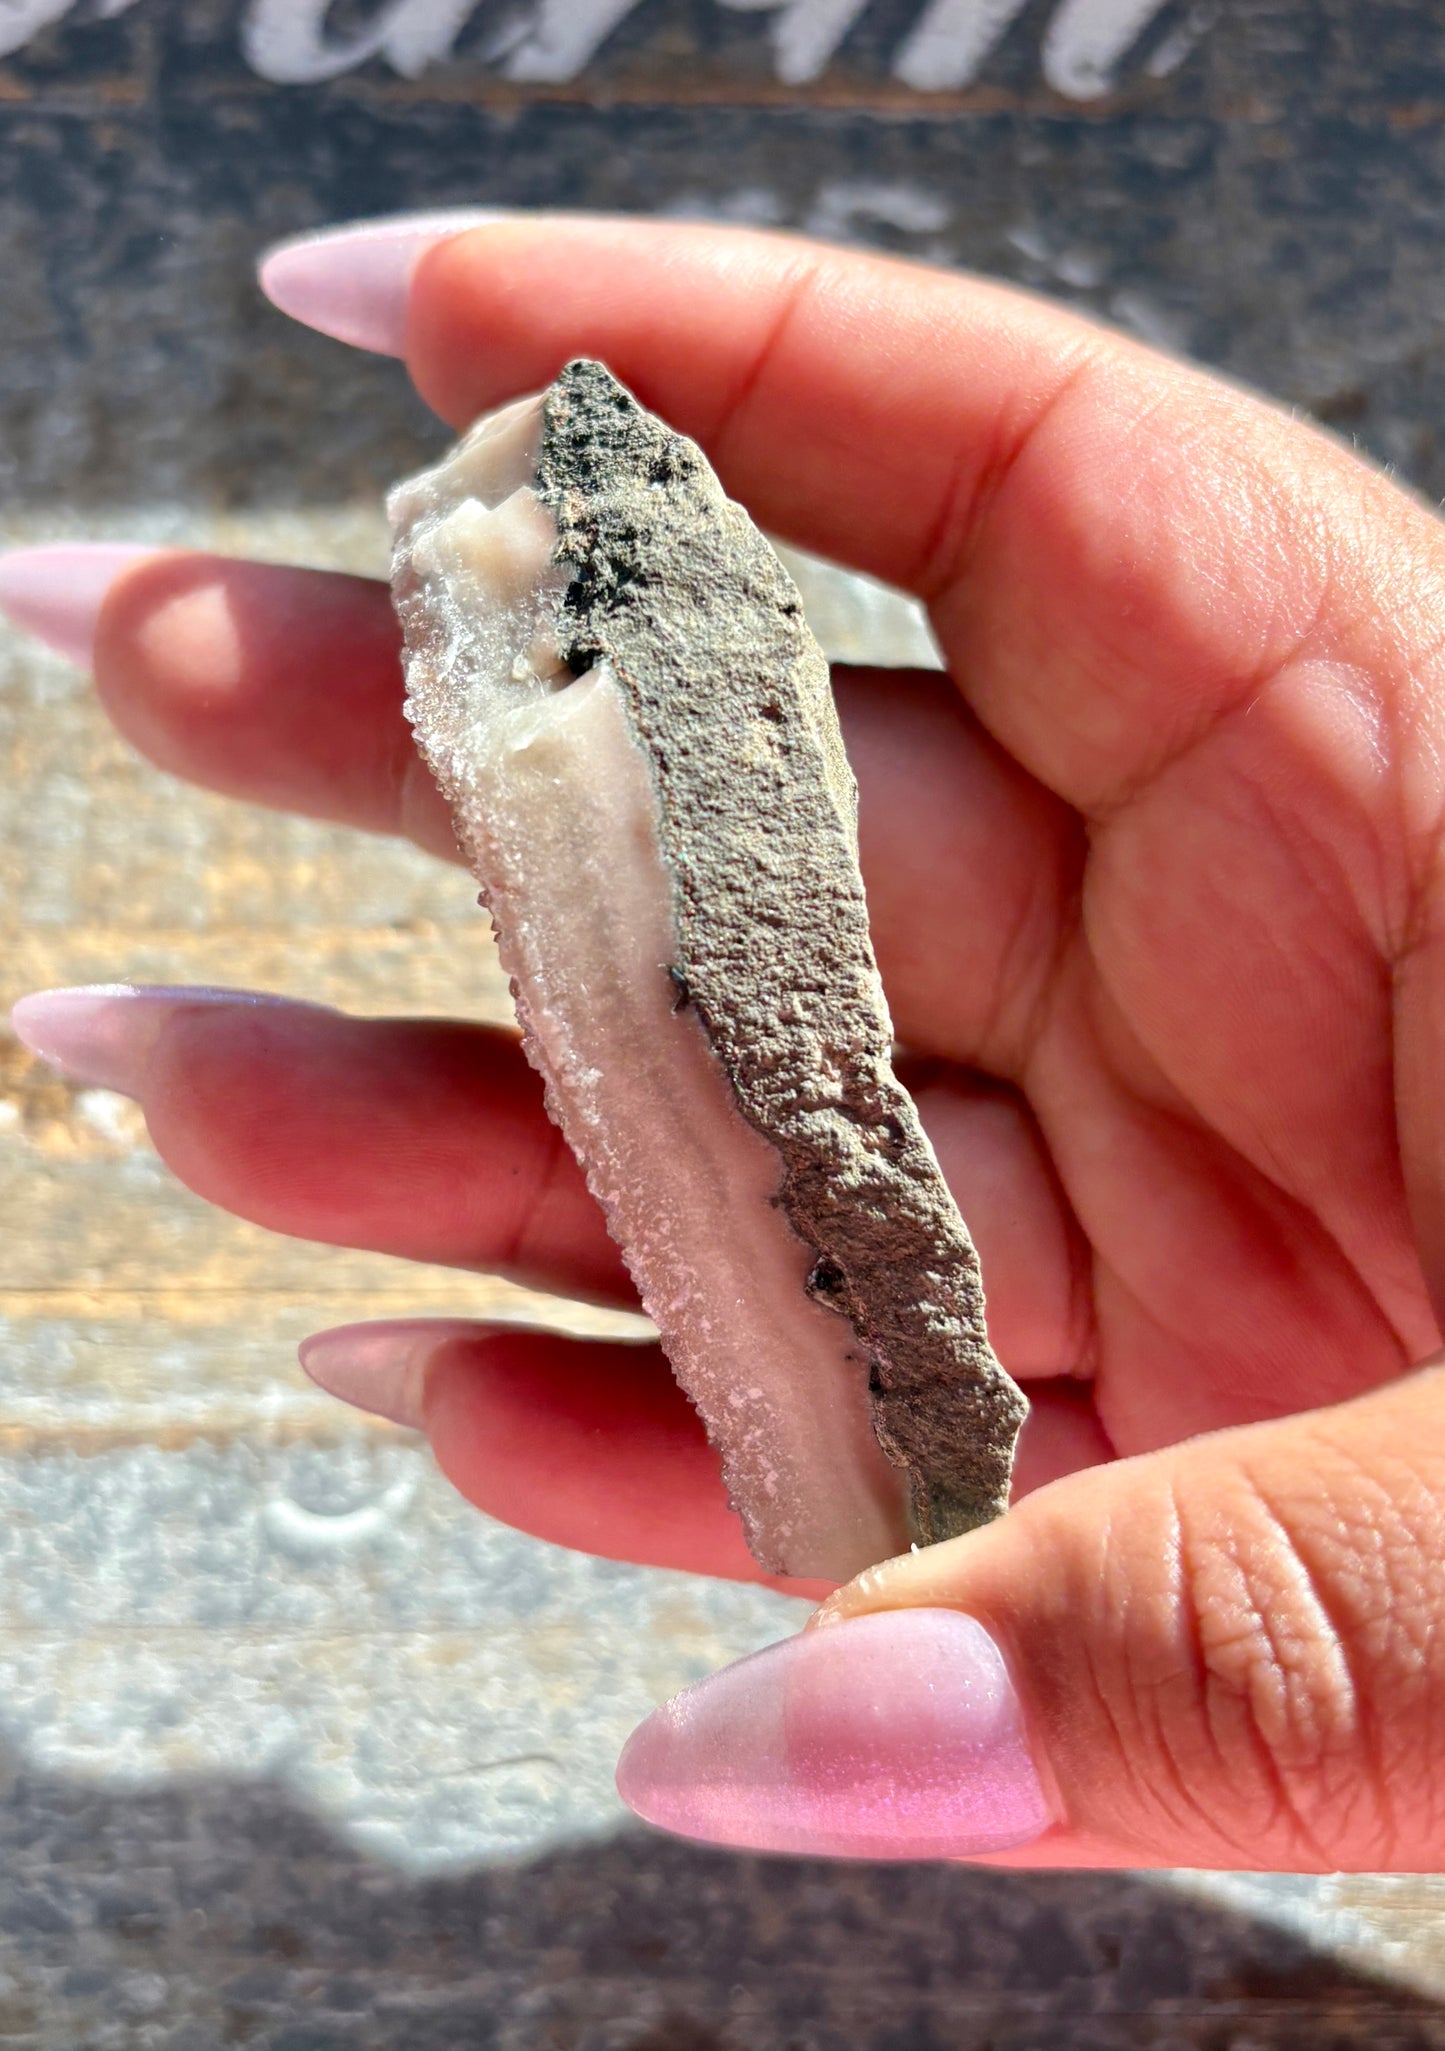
611	679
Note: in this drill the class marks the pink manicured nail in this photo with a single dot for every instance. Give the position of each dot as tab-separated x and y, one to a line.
380	1367
56	592
103	1034
351	282
893	1736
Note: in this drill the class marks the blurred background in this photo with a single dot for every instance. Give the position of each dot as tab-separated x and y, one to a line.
296	1752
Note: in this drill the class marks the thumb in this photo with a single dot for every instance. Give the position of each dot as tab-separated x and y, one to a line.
1230	1653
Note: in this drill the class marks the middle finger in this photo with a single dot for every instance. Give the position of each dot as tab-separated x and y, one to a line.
284	687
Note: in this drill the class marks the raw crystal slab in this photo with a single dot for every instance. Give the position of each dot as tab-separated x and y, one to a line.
611	678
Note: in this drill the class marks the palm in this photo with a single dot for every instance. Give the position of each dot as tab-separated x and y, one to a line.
1145	880
1198	1020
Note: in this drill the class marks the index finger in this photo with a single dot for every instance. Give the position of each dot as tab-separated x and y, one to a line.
1117	548
848	400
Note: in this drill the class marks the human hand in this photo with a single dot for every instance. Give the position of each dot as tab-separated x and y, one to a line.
1157	901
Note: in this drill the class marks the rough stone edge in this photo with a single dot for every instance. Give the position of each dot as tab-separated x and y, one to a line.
730	698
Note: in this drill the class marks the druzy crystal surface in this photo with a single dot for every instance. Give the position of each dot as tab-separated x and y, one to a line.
610	676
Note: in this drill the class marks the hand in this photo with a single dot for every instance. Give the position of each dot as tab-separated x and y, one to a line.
1158	903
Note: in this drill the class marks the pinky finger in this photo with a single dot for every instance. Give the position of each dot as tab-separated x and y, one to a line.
585	1444
595	1446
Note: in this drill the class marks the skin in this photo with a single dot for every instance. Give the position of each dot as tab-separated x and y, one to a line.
1156	888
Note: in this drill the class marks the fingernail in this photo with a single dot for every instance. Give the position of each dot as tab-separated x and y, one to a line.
56	592
896	1736
381	1368
103	1034
351	282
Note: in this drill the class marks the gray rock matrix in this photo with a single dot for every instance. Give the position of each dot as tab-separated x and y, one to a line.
730	698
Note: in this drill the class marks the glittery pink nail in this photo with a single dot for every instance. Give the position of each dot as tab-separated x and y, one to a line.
379	1367
893	1736
55	592
351	282
103	1034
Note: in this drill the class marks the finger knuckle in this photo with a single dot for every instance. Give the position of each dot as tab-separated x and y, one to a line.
1299	1627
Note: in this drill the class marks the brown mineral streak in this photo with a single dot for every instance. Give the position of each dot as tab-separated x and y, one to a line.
730	698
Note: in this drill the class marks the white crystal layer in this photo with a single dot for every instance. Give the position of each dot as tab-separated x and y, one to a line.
555	808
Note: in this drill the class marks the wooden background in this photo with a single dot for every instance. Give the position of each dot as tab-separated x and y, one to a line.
299	1753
